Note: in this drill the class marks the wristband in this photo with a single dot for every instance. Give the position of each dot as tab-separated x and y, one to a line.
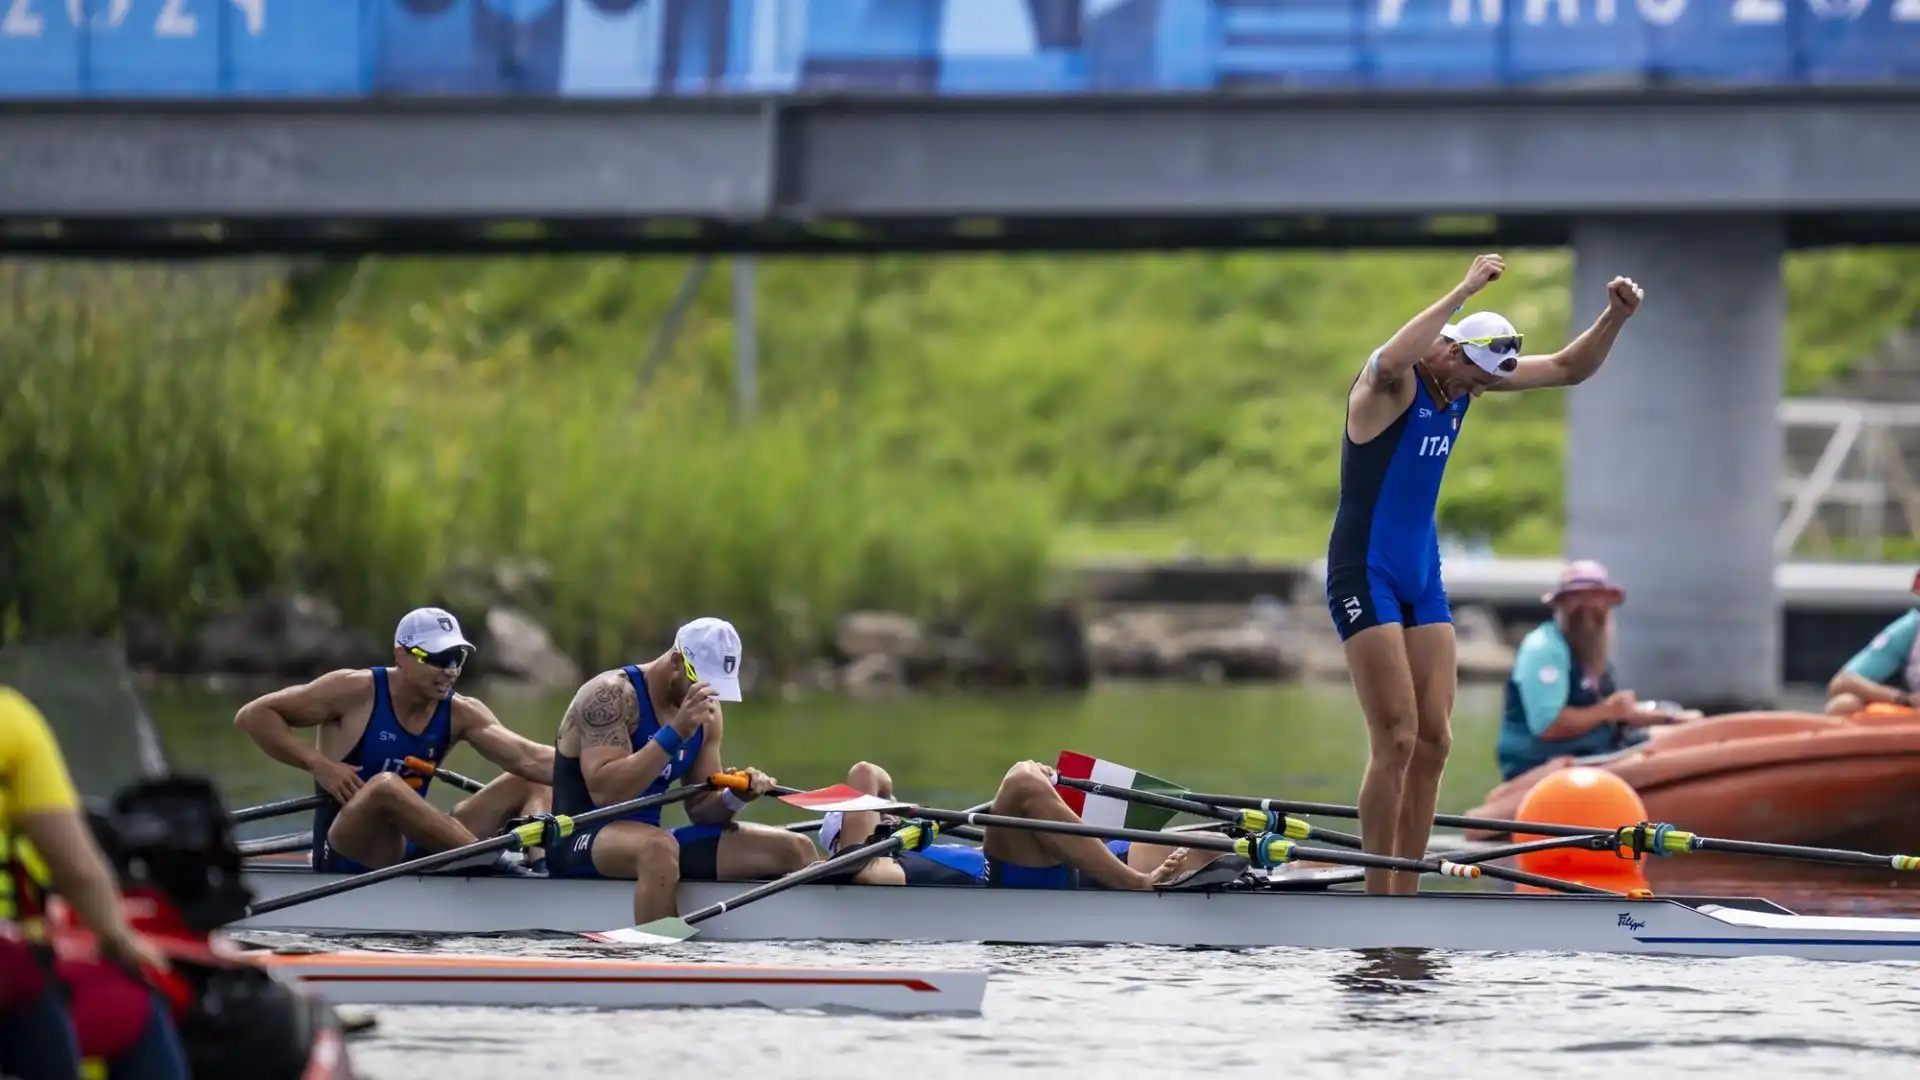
668	740
734	803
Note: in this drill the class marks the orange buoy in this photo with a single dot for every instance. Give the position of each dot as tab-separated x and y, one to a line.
1581	795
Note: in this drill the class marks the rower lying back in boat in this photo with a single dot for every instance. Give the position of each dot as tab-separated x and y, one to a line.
1006	858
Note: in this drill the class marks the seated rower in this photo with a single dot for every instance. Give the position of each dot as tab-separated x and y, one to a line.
1562	696
633	732
1009	858
1885	674
371	720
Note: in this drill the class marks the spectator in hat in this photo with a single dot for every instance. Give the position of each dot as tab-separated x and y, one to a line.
1563	697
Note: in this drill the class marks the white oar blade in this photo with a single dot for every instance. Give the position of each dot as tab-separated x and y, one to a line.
658	932
842	798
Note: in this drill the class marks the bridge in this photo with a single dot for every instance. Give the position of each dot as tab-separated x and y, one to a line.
1687	143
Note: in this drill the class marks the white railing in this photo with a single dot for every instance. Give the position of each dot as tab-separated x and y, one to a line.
1863	468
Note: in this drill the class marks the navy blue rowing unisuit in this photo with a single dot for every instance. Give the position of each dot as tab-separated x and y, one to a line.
384	746
1383	559
699	844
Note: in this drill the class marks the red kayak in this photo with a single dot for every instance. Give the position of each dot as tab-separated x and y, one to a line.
1789	778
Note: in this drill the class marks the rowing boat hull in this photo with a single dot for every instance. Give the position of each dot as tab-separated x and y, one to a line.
372	978
1471	921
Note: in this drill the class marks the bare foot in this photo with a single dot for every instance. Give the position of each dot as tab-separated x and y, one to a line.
1168	869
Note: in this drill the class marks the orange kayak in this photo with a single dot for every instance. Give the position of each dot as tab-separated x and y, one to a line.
1789	778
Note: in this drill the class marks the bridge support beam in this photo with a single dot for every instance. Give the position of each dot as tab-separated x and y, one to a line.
1674	456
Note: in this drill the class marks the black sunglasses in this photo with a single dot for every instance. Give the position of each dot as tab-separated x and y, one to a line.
1505	343
446	659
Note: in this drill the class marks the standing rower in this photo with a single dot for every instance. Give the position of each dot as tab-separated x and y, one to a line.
633	732
371	720
1384	590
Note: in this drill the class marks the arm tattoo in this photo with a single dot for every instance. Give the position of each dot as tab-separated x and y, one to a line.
600	711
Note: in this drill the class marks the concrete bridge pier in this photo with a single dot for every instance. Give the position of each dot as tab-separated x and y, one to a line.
1674	456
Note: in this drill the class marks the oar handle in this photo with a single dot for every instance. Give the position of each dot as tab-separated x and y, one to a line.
427	768
281	808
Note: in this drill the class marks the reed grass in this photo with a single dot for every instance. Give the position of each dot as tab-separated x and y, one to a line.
933	434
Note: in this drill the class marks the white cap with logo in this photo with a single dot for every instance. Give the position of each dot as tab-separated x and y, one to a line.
711	647
429	629
1502	349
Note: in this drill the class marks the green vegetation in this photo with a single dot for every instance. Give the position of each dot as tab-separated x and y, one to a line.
932	433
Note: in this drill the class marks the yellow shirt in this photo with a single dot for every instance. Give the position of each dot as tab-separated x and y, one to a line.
33	779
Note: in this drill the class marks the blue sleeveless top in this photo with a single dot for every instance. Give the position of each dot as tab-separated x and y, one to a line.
1390	486
570	794
384	747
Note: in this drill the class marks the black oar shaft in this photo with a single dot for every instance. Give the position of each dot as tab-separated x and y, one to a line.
302	803
1801	854
1451	821
1836	856
1189	840
511	840
822	869
815	872
282	807
275	845
1190	806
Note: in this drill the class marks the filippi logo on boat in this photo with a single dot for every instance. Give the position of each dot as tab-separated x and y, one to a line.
1631	923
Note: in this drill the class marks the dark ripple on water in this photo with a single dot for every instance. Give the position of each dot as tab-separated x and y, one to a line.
1143	1011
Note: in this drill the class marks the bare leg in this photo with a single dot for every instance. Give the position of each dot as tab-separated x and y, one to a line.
1844	705
647	855
372	829
1377	660
487	811
1027	792
1430	656
751	852
857	827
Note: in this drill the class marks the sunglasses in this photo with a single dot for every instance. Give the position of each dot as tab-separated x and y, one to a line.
446	659
1505	343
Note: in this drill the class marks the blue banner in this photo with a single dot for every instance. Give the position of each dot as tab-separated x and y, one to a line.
196	49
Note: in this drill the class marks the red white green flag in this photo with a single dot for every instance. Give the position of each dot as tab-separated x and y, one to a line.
1105	810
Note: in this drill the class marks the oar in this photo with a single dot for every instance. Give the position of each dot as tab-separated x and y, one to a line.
1642	838
1256	821
1667	840
916	835
1264	850
281	808
519	838
303	803
275	845
847	799
429	769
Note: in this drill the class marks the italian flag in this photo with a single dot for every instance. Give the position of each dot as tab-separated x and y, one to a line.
1106	810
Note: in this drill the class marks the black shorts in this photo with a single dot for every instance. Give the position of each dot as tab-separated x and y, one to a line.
699	853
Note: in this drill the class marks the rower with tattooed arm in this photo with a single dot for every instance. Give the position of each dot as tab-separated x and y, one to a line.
634	731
